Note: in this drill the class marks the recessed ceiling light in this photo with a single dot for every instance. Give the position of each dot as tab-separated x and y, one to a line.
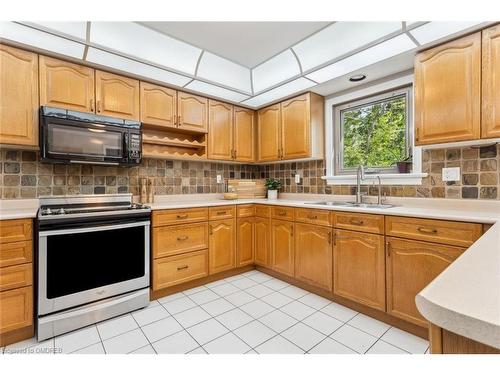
357	78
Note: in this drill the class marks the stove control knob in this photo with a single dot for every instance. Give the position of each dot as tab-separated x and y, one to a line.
61	211
47	211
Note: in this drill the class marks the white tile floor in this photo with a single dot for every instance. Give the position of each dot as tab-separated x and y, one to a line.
248	313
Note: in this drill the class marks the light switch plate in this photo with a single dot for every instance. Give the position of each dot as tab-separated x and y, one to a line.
451	174
219	179
297	178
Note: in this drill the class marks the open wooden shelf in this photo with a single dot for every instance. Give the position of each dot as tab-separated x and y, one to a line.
173	145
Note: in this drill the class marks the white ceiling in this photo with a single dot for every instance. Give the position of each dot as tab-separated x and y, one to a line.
245	43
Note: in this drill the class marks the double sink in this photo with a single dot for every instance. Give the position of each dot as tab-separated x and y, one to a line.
352	204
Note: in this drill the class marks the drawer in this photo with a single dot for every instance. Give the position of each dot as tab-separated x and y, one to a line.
360	222
16	276
15	230
184	215
16	253
178	239
439	231
320	217
179	269
262	211
220	213
17	309
282	212
245	210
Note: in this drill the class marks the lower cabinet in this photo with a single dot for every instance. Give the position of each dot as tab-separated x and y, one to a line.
262	241
17	309
359	268
179	269
411	266
282	247
313	255
221	246
245	241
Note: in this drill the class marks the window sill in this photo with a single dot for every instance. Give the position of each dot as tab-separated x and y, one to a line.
386	179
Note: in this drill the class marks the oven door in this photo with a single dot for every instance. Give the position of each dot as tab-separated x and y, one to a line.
82	265
68	140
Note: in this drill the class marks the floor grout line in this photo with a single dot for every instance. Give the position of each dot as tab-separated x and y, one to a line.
147	338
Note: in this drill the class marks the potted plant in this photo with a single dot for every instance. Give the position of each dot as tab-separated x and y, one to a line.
272	185
404	165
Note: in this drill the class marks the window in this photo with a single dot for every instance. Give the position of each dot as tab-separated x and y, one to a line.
374	132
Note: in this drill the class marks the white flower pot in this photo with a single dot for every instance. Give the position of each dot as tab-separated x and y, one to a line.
272	194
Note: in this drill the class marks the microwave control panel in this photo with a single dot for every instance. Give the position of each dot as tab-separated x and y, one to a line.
134	146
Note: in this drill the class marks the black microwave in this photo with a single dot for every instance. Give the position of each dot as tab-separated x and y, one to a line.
85	138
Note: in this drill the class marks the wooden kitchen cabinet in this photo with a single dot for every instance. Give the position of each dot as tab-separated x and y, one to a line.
244	138
411	266
17	309
282	247
220	131
269	133
221	246
66	85
178	239
490	125
262	241
296	127
359	267
313	255
158	105
245	238
18	97
117	96
448	92
192	112
179	269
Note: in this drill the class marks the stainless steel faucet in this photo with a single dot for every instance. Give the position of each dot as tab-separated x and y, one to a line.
360	175
379	200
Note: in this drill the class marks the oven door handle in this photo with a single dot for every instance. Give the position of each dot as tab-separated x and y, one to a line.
93	229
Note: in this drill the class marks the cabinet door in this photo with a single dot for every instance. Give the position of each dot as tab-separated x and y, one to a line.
245	241
66	85
220	131
262	241
117	96
192	112
17	309
244	142
490	126
296	128
221	246
282	247
448	92
158	105
18	97
268	128
359	268
313	255
411	266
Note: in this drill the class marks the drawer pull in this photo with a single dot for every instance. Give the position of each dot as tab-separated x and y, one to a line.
182	238
427	230
221	212
182	268
312	217
282	213
182	216
356	222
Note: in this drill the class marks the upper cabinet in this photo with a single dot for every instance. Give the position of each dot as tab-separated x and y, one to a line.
158	105
292	129
66	85
244	130
18	97
117	96
490	127
220	133
192	112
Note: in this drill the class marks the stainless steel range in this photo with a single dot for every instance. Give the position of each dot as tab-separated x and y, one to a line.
92	260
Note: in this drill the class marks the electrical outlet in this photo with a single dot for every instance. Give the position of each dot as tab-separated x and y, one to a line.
297	178
451	174
219	179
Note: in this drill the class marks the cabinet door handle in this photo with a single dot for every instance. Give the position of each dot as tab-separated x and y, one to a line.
329	238
92	109
388	245
182	216
312	217
427	230
211	229
98	106
356	222
334	238
179	120
291	231
174	120
416	135
182	238
182	268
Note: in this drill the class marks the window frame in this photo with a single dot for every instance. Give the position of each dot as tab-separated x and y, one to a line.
338	144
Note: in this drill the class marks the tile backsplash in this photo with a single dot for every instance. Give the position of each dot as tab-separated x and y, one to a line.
23	176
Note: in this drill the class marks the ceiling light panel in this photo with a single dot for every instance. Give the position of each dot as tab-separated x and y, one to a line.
39	39
145	44
75	30
381	51
339	39
216	91
225	72
275	70
280	92
113	61
436	30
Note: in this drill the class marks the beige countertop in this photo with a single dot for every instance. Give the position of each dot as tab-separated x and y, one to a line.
464	299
